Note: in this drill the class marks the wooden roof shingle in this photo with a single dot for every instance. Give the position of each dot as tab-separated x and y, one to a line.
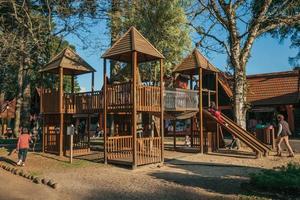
72	63
131	41
192	62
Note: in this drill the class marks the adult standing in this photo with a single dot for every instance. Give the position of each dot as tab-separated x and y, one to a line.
283	135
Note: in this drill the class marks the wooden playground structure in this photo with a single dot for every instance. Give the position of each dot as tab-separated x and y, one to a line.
131	113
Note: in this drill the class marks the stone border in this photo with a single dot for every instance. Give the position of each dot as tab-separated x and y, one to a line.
34	179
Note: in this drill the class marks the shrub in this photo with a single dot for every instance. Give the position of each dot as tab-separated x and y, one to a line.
285	179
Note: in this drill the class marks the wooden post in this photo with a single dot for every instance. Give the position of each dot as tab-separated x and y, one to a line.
61	102
191	88
93	82
162	108
105	112
42	92
174	134
134	108
72	84
92	90
41	112
217	105
71	148
200	111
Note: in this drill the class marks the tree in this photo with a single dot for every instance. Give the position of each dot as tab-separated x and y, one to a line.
28	30
164	24
292	32
231	27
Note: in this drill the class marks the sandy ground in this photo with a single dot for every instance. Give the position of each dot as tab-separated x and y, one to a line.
183	176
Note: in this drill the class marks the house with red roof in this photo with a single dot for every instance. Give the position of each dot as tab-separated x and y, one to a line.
275	93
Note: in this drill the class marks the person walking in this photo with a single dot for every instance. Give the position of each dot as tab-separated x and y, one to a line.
23	146
283	135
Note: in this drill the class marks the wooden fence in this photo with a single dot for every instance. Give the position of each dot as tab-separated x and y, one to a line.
119	96
121	148
148	150
148	98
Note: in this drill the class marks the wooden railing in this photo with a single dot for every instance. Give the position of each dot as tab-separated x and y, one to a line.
148	150
119	147
50	101
119	96
88	102
181	99
148	98
69	103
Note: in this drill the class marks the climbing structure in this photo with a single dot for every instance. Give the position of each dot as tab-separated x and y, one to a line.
133	112
58	106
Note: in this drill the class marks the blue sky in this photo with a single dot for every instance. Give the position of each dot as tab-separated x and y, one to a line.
267	55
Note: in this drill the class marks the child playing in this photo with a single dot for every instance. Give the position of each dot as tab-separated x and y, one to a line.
23	146
187	141
217	114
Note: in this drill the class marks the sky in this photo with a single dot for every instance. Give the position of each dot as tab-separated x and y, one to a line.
267	55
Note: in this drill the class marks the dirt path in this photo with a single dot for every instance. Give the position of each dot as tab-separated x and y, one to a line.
15	187
184	176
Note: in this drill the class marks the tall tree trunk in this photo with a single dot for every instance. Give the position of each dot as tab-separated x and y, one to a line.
240	91
19	99
115	31
26	104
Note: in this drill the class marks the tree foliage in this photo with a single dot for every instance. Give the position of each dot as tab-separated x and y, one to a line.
163	23
31	32
231	27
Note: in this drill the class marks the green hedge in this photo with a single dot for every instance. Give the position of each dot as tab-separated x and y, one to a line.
284	180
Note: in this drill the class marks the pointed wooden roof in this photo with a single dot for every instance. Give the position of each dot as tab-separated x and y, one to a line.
131	41
72	63
192	62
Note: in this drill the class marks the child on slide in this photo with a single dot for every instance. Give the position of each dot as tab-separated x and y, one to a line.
217	114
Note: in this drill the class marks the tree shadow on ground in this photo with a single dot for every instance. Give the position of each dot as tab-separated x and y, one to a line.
95	156
216	178
164	192
51	157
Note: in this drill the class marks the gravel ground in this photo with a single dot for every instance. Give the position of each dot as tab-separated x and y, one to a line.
183	176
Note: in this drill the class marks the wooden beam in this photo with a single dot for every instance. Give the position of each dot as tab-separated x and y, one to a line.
41	93
105	111
217	105
192	135
72	84
162	108
93	82
41	111
61	101
200	111
174	134
134	107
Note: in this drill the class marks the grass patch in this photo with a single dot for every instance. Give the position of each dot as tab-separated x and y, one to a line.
75	164
284	180
35	173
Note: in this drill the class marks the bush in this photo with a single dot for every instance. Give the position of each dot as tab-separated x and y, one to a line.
285	179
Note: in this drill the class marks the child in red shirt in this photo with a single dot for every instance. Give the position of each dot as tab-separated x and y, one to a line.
217	114
23	146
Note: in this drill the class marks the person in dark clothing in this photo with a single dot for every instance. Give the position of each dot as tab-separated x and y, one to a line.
283	135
